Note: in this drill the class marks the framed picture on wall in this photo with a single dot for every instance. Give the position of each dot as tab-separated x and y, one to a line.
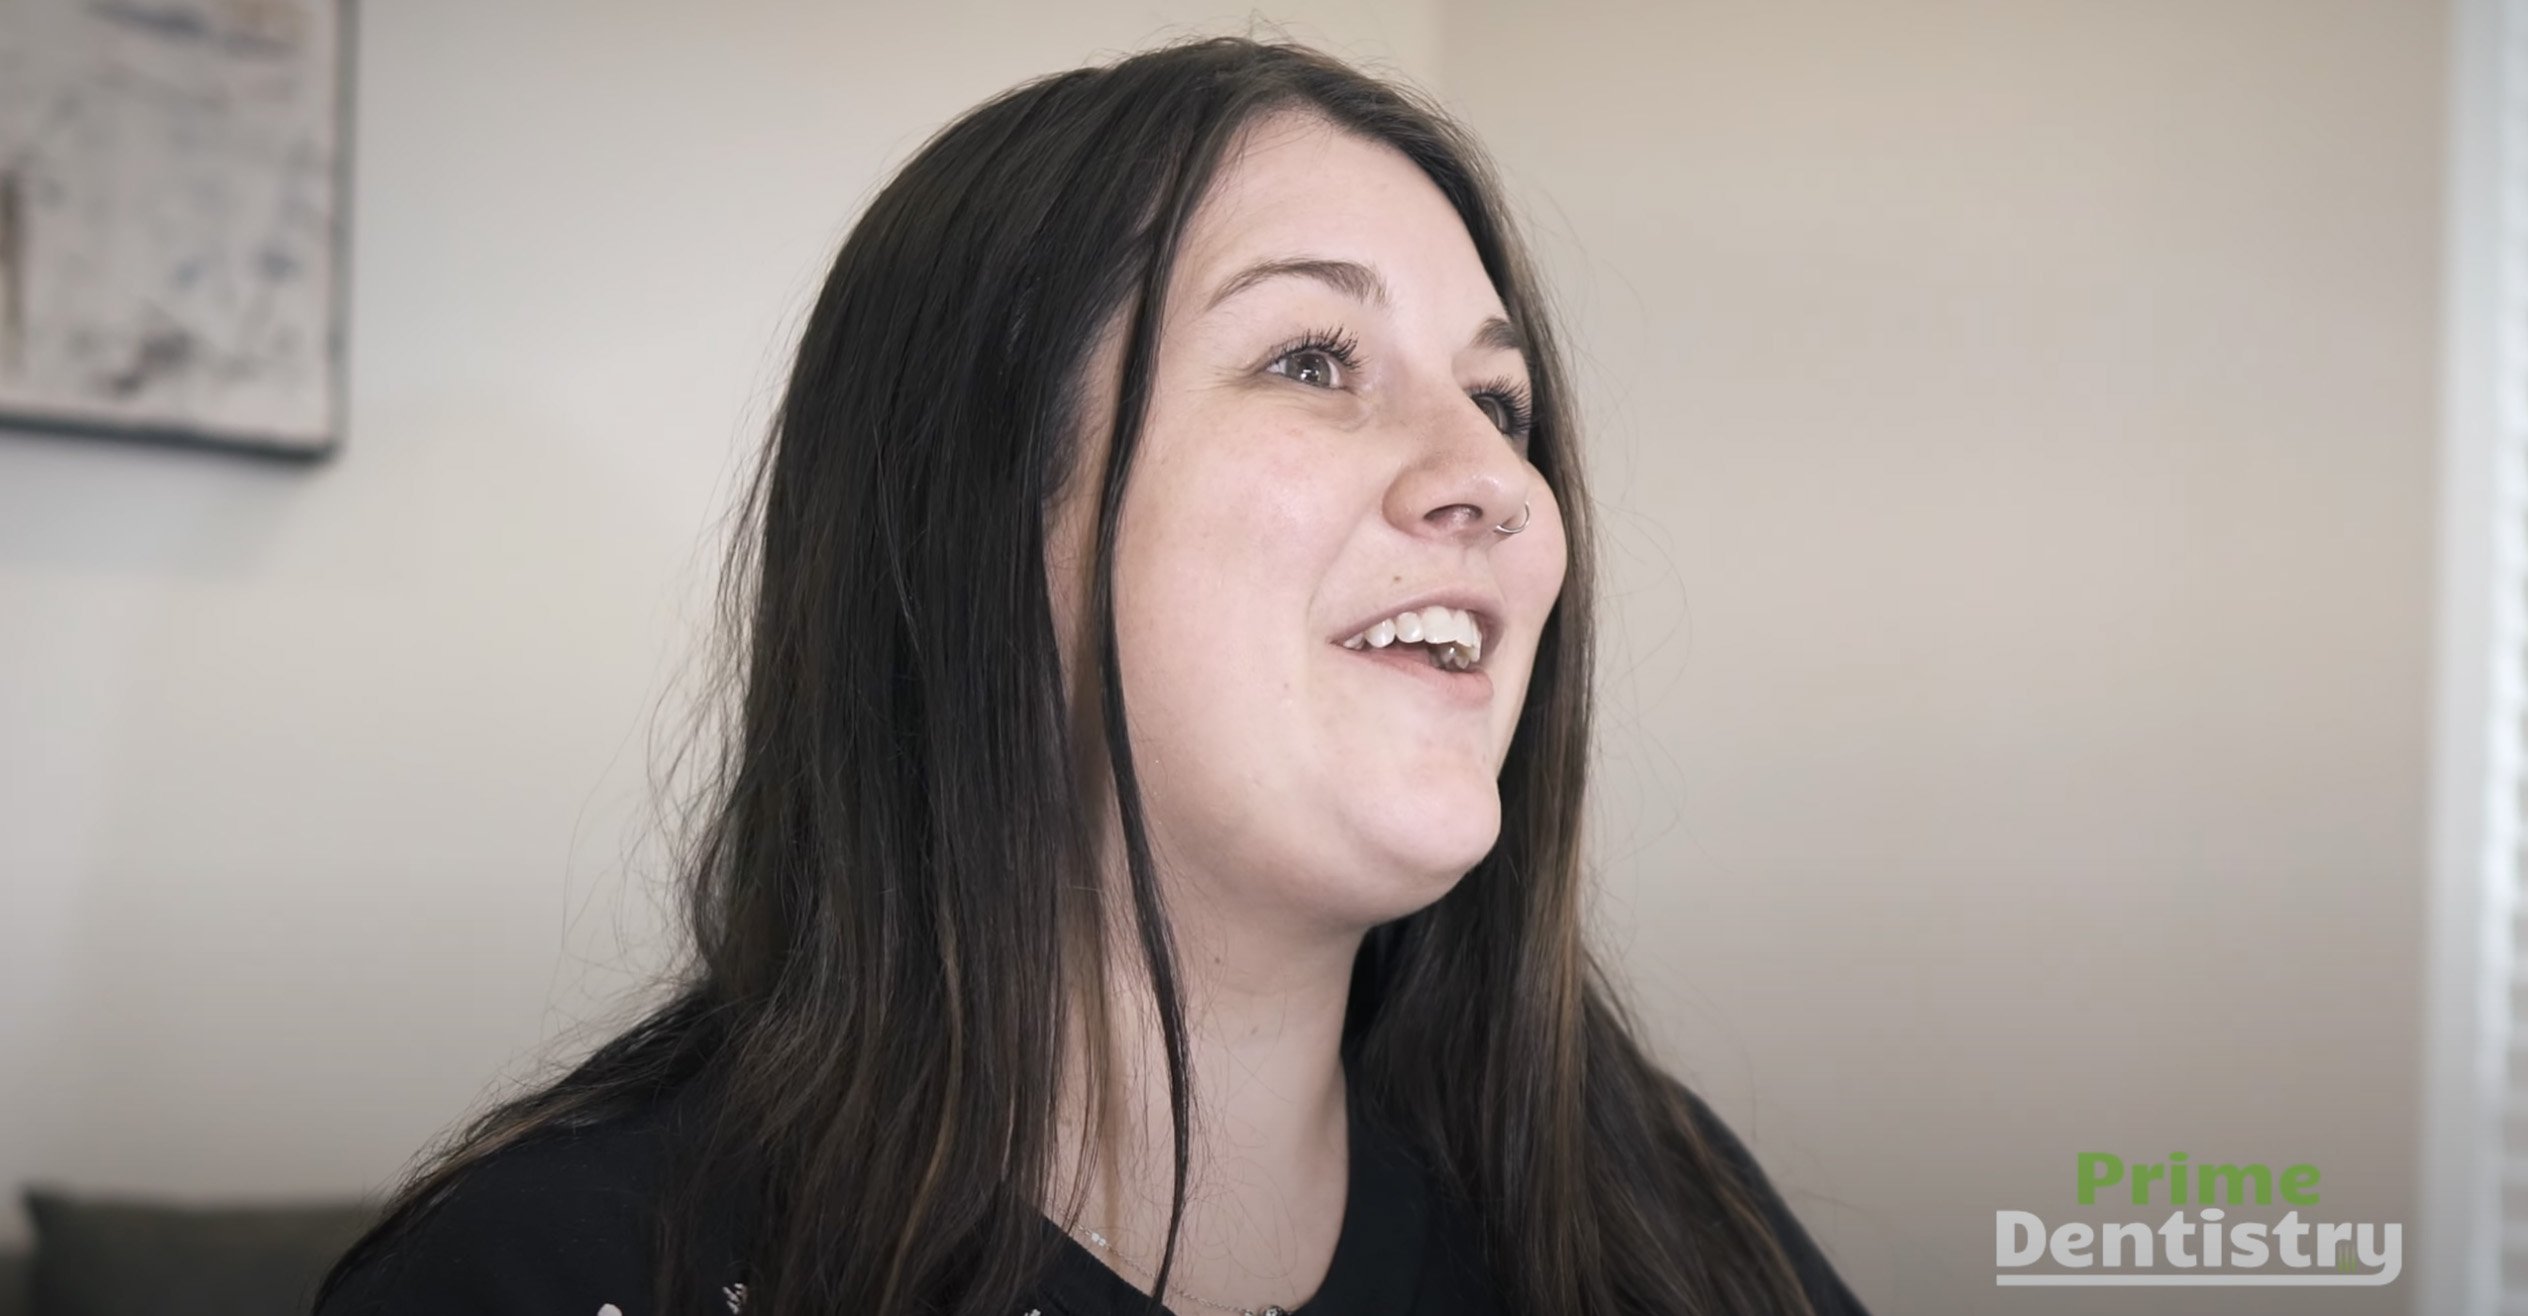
173	188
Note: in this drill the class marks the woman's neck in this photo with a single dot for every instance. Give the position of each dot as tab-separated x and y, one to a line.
1268	1148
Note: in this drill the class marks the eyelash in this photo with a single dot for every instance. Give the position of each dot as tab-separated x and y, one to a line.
1514	400
1512	397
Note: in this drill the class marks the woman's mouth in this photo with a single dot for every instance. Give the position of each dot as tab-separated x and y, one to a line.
1449	639
1469	688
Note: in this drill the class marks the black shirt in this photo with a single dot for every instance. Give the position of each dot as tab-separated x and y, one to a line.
561	1226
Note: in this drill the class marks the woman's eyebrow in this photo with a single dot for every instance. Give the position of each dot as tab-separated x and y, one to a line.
1358	282
1350	278
1501	335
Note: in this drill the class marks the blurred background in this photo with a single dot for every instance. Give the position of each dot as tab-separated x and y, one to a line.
2054	696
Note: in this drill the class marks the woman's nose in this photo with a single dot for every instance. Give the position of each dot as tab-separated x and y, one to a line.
1466	480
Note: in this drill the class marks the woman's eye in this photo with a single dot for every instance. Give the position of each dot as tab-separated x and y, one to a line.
1313	366
1324	359
1506	405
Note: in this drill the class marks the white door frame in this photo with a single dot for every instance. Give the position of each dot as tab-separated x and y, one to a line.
2481	645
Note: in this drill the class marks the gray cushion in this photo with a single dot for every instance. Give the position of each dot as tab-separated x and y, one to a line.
103	1257
13	1281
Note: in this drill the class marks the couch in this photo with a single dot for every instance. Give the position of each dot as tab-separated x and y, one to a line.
101	1256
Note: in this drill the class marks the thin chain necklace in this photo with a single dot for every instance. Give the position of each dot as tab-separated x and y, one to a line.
1109	1249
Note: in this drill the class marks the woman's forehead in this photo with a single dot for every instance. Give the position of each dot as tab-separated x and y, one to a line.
1296	187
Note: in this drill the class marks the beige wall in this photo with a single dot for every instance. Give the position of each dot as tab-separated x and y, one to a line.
2017	427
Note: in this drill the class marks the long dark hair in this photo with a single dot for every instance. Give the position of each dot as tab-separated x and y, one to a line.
894	875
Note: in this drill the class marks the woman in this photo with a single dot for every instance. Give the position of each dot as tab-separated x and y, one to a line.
1146	863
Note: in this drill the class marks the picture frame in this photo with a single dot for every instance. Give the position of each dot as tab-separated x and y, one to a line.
174	203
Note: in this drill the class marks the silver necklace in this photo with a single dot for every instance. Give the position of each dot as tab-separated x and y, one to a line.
1109	1249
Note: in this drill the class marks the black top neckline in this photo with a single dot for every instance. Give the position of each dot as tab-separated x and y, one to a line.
567	1225
1386	1217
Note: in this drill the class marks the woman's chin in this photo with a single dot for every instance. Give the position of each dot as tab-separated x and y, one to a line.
1428	850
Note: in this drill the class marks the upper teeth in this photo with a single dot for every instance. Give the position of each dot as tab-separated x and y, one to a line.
1433	626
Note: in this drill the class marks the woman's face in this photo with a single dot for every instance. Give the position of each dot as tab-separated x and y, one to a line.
1325	450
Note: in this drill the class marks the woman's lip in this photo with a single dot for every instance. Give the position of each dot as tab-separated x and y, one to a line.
1472	689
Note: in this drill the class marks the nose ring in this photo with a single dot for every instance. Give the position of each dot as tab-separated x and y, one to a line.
1526	514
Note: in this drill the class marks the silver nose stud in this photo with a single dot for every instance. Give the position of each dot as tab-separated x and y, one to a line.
1526	514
